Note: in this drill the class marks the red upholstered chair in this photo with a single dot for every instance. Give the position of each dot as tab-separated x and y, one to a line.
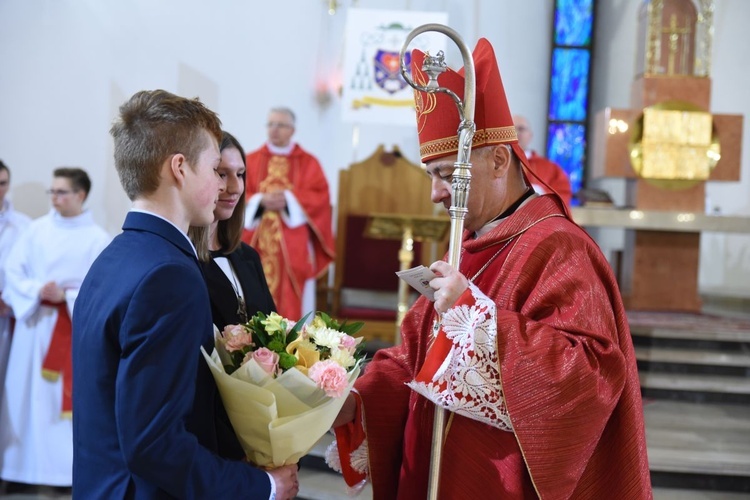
365	285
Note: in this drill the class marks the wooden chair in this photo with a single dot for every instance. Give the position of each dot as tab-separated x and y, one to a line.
384	183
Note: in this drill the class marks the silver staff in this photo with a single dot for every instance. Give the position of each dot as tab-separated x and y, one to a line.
433	66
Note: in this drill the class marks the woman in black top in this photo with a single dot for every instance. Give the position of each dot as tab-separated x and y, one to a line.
232	269
236	284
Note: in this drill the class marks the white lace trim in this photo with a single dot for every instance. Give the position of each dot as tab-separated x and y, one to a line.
468	381
333	460
360	461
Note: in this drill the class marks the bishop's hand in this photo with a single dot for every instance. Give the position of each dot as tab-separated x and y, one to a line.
448	285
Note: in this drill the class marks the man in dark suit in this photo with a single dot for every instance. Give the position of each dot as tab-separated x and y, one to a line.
143	404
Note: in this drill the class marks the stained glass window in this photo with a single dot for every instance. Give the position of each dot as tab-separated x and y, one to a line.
574	22
566	146
569	93
569	87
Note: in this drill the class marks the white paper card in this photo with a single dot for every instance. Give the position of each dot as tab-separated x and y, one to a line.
419	278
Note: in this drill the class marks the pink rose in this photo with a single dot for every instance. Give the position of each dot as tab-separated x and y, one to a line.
348	342
233	330
236	337
329	376
267	359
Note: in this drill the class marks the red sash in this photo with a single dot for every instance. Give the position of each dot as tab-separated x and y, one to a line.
58	360
349	437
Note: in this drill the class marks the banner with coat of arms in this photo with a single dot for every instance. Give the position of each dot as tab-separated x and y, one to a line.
373	90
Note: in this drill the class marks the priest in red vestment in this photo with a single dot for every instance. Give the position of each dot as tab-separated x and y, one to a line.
526	346
288	216
551	174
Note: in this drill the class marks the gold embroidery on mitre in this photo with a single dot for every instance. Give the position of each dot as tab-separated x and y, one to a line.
424	103
446	145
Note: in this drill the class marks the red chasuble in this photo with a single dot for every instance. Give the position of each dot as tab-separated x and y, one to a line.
283	250
556	415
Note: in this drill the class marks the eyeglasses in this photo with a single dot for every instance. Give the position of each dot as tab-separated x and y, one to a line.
58	192
278	125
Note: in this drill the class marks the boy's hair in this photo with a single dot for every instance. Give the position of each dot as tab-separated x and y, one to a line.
153	125
3	166
79	179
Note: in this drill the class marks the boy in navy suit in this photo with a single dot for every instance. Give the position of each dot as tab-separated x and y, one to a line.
143	404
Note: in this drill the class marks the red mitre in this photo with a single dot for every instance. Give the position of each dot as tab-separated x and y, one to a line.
437	114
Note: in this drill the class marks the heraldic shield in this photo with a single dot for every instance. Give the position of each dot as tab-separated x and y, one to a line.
387	75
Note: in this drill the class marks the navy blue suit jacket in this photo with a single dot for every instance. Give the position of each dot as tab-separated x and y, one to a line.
144	399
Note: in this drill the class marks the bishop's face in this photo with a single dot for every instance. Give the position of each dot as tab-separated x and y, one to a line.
486	191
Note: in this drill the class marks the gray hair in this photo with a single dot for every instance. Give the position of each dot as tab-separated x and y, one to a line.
286	111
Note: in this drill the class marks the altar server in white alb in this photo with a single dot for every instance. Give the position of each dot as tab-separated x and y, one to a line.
11	225
43	272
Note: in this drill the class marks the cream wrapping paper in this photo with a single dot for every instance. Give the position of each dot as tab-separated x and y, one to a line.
277	421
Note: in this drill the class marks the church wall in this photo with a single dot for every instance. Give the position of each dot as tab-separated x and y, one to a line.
66	66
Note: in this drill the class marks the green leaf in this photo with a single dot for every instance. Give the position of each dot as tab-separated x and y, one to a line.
291	336
352	328
259	331
237	357
330	322
294	332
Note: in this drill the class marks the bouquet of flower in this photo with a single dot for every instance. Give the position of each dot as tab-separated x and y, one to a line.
283	383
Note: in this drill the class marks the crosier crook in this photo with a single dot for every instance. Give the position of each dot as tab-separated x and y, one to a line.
433	66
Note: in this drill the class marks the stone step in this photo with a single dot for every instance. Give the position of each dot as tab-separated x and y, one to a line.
696	388
656	354
698	383
683	494
689	326
739	336
707	445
